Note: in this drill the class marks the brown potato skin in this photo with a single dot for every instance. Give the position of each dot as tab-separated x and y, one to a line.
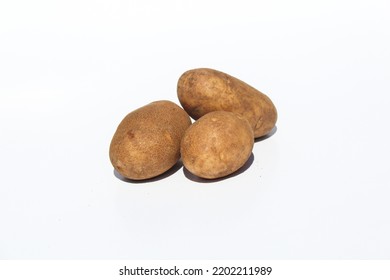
217	144
147	141
204	90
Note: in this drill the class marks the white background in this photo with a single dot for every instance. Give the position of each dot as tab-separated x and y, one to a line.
318	188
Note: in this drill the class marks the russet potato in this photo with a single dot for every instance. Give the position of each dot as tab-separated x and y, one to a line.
147	141
204	90
217	144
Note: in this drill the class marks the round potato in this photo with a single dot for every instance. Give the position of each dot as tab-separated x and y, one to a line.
147	141
217	144
204	90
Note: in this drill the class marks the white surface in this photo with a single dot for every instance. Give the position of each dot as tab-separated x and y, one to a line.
71	70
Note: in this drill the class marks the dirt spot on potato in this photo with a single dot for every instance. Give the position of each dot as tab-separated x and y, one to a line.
130	134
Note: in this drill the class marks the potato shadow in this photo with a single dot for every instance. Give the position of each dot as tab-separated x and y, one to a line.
166	174
197	179
270	134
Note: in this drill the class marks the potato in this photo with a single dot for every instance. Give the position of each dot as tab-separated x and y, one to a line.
203	90
147	141
217	144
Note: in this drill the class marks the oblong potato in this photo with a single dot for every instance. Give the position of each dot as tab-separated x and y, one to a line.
204	90
217	144
147	141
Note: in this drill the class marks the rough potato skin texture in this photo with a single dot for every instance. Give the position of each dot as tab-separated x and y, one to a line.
204	90
147	141
217	144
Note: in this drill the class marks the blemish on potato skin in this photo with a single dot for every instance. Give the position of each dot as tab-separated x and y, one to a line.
119	165
168	137
130	134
